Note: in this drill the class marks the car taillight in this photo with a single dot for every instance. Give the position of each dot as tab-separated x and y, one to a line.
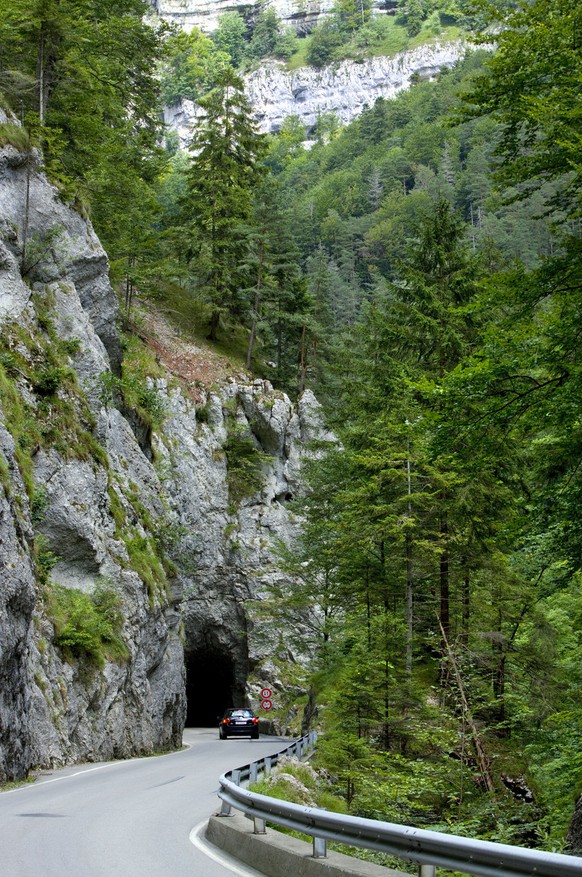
255	721
226	721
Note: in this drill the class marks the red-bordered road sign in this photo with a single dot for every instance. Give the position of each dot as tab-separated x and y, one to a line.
266	704
266	693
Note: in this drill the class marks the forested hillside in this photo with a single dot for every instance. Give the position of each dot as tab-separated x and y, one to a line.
421	270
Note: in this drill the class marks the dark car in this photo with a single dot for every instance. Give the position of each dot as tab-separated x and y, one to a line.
239	723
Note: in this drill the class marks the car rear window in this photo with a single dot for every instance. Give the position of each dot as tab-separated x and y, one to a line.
245	714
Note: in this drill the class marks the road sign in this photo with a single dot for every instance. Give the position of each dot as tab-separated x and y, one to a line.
266	693
266	704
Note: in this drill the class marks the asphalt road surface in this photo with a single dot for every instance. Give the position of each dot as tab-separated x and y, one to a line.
138	818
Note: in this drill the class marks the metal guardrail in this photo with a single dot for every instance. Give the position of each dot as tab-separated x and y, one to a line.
429	849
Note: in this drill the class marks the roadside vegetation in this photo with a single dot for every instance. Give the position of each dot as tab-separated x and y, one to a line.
421	271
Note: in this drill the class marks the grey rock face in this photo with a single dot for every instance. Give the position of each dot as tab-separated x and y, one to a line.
17	600
344	89
58	706
107	512
232	546
205	14
50	243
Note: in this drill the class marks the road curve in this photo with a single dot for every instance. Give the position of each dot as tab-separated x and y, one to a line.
124	818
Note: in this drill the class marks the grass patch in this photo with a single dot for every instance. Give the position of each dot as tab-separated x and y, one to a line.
14	135
87	625
132	388
144	560
57	416
16	784
383	36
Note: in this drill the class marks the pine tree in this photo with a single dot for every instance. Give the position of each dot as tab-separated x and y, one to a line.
225	167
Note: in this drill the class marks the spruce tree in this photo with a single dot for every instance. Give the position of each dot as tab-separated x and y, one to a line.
225	166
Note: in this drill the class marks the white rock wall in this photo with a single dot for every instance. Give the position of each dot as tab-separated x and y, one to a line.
205	14
344	89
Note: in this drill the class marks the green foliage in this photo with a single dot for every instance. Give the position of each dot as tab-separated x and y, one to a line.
82	75
325	40
224	168
144	559
134	387
535	98
87	625
192	62
57	414
265	34
44	559
231	36
557	767
443	535
299	783
14	135
244	461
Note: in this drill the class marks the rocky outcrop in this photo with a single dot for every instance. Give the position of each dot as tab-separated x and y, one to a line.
17	600
344	89
131	560
205	14
66	462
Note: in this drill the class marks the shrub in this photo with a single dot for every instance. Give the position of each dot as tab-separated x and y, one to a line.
14	135
324	41
87	625
244	461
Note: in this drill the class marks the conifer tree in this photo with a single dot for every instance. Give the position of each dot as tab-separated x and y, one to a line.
225	166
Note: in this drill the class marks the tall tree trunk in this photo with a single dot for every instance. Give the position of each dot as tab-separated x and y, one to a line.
482	759
214	323
303	360
466	609
444	609
409	580
258	294
26	218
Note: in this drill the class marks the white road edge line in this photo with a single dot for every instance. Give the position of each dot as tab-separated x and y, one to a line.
224	859
41	782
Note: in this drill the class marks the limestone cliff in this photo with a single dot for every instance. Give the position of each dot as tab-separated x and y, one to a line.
129	556
344	89
205	14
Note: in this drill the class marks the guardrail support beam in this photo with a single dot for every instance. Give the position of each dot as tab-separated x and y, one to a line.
225	809
319	848
426	871
260	826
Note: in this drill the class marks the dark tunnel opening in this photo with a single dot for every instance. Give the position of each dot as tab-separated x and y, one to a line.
210	687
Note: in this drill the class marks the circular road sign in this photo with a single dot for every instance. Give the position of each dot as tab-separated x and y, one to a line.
266	704
266	693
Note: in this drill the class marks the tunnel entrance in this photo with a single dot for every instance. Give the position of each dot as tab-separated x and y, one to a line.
210	687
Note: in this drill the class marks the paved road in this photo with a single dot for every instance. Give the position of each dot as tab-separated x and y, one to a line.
125	818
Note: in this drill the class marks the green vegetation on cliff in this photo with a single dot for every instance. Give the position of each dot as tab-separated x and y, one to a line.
421	269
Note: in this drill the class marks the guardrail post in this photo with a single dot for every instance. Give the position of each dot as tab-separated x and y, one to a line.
426	871
253	772
319	848
225	809
267	765
259	825
235	777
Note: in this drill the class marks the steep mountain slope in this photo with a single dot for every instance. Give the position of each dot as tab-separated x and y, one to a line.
130	535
